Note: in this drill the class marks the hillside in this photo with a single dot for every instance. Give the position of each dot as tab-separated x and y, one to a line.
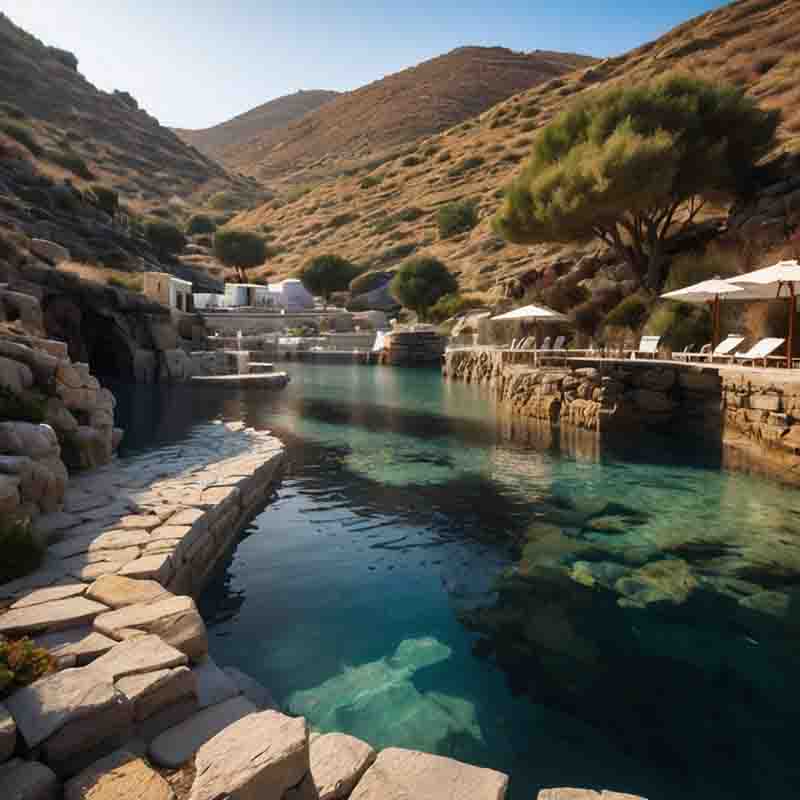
73	130
371	121
216	141
381	215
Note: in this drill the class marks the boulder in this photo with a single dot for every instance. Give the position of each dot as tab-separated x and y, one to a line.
52	616
14	376
399	774
213	685
262	755
157	567
8	734
28	780
258	695
143	653
49	251
52	702
117	591
60	591
338	762
177	745
9	494
118	776
151	692
174	619
28	439
76	646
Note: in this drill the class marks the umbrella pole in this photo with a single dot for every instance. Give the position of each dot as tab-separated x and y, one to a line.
792	311
715	330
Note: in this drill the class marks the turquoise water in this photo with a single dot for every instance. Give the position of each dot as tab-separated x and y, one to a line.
430	575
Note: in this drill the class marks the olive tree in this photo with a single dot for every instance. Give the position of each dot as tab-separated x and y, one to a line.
327	274
632	165
421	282
240	250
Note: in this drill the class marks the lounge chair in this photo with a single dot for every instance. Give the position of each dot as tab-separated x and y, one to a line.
559	343
725	349
685	354
762	351
648	347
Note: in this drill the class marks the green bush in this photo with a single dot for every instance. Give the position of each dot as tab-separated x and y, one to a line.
465	166
21	663
680	325
411	161
135	283
452	304
421	282
371	180
455	218
689	268
342	219
104	198
404	215
22	134
224	201
21	554
11	110
74	163
200	223
167	239
629	313
327	274
27	407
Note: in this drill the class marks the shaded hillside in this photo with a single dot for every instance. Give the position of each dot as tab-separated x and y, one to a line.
235	133
395	110
73	130
381	216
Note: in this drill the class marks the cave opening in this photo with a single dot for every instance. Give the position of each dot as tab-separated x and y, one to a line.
108	350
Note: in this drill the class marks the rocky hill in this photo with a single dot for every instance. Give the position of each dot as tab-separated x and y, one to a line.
384	212
370	122
70	129
237	132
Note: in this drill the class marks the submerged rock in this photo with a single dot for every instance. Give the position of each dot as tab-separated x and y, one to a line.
666	581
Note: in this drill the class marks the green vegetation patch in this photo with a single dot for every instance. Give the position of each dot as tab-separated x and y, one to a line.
465	166
22	134
22	663
166	238
200	223
135	283
70	161
455	218
25	407
371	180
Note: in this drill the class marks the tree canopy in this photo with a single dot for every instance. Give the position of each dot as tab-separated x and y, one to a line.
327	274
240	250
421	282
628	165
167	239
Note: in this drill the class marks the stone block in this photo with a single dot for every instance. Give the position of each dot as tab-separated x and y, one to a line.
258	695
52	616
261	755
765	402
28	439
175	619
338	762
143	653
28	780
157	567
177	745
118	591
118	776
399	773
15	376
169	716
76	646
152	692
213	684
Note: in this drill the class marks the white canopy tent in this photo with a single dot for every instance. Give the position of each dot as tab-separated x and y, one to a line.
779	280
711	292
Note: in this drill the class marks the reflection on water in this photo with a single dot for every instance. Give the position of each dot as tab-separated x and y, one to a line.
432	575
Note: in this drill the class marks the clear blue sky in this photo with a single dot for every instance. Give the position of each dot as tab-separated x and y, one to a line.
193	63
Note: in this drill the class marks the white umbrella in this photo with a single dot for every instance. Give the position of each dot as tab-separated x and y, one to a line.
779	280
710	291
537	313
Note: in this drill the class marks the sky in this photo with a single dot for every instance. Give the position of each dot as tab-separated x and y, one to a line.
194	63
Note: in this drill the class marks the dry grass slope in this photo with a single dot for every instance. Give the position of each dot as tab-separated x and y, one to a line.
752	43
369	122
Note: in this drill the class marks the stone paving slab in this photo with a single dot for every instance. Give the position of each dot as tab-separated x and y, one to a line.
151	692
137	655
123	775
77	645
116	591
50	593
52	616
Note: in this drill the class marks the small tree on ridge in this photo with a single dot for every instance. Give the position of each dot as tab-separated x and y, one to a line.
240	250
421	282
327	274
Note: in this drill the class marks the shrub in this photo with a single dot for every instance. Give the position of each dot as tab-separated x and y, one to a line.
465	166
629	313
167	239
411	161
200	223
404	215
680	325
21	663
689	268
452	304
455	218
21	554
23	135
396	253
74	163
371	180
528	126
135	283
421	282
104	198
224	201
12	110
342	219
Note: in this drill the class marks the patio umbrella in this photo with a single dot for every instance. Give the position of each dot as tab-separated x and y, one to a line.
532	312
711	292
779	280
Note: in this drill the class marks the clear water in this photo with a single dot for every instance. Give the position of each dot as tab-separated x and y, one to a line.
433	576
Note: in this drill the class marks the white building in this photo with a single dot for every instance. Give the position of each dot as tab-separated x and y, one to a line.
291	295
168	290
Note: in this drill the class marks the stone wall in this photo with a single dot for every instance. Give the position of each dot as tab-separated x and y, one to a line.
54	416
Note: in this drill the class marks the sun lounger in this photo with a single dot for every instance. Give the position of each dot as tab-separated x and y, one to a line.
686	353
762	351
725	349
648	347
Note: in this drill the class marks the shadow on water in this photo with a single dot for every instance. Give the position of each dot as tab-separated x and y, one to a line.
618	614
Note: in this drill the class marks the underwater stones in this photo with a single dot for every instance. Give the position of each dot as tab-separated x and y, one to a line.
615	523
593	573
666	581
337	763
260	756
398	774
258	695
213	685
